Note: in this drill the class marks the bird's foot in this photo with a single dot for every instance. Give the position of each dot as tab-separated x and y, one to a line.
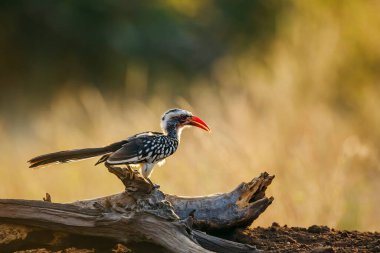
154	186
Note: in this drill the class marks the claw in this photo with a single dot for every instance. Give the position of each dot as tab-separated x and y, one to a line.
154	186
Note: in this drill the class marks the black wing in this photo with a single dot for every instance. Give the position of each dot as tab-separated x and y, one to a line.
133	151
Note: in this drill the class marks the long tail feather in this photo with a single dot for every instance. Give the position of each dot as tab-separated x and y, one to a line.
66	156
73	155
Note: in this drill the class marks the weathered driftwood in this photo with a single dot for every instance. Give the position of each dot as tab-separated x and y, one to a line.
239	207
145	214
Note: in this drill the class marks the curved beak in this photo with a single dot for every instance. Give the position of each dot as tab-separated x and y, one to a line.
195	121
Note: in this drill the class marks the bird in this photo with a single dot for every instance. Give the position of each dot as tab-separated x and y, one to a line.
143	150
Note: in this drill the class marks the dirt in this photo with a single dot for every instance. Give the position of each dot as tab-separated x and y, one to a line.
316	239
276	238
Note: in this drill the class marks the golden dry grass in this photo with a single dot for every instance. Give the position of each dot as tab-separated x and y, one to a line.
276	117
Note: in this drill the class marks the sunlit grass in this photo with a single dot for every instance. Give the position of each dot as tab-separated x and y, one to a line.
279	116
325	173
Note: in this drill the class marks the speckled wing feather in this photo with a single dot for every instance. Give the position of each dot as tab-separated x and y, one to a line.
135	150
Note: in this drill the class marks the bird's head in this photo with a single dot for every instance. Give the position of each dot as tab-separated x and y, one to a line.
174	120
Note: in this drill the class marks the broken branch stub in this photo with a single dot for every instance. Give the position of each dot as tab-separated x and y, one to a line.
239	207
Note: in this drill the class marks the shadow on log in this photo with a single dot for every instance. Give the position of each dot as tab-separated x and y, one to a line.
138	217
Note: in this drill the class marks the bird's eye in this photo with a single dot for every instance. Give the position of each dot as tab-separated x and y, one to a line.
182	119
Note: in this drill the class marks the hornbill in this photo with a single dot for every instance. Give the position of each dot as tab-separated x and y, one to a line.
144	149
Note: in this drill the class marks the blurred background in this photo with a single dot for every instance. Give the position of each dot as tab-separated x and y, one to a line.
288	87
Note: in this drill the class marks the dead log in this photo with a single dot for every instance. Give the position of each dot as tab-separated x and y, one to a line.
237	208
144	214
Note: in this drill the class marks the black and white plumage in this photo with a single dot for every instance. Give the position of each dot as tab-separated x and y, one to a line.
145	149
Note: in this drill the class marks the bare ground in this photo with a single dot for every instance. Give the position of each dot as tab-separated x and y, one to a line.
316	239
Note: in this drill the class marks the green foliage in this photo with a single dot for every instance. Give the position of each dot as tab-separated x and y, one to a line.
48	43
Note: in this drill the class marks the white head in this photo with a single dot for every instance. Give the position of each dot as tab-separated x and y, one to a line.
174	120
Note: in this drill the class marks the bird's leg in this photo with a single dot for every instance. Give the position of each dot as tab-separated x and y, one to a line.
133	173
146	171
132	180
